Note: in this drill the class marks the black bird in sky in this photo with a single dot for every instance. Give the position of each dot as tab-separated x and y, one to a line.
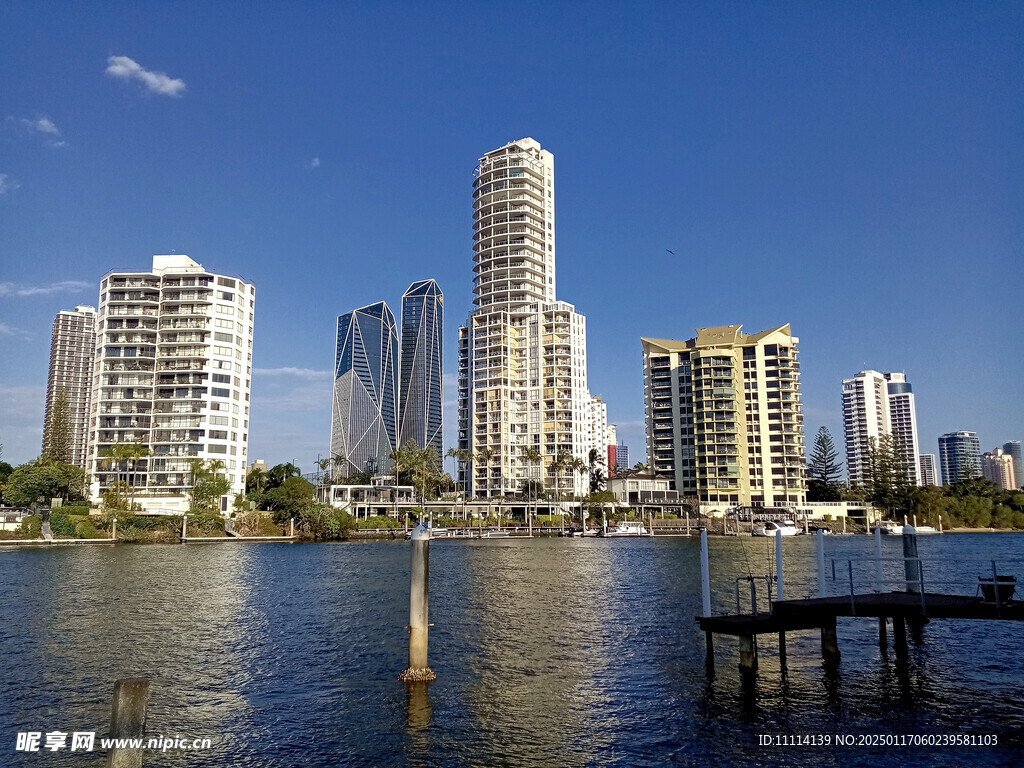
672	252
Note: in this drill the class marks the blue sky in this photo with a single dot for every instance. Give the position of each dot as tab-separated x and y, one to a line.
853	169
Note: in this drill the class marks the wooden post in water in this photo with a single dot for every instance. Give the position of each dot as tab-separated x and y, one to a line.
291	530
940	523
830	642
748	656
419	589
899	628
113	533
687	522
128	720
807	528
184	527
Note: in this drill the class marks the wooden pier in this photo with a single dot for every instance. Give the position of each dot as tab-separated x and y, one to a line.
902	608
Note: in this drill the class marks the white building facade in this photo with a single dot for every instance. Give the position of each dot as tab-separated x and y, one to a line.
522	353
875	404
172	372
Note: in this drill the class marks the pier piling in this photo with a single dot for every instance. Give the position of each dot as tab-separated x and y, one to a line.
821	563
419	588
128	720
829	642
184	527
748	655
113	533
911	565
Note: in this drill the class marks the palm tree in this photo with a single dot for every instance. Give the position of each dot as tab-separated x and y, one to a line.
533	455
453	454
577	465
117	454
485	455
465	456
135	452
558	466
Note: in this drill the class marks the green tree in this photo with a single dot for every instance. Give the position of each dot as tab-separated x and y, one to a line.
597	478
58	442
208	485
888	483
278	473
42	479
823	469
290	498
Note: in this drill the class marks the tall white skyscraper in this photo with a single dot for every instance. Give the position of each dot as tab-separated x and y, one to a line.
959	456
72	347
522	353
172	372
929	474
875	404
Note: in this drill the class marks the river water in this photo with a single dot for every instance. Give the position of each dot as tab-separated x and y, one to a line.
549	652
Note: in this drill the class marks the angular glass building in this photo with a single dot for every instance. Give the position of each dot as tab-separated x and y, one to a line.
364	418
420	390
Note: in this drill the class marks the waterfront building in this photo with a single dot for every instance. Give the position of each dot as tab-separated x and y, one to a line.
420	382
597	429
610	439
522	353
364	413
724	417
72	347
622	456
1013	448
172	372
875	404
926	462
958	456
997	466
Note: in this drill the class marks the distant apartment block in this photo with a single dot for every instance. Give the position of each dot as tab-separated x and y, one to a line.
959	454
724	416
421	367
72	347
364	414
997	466
875	404
172	372
929	475
622	456
1013	448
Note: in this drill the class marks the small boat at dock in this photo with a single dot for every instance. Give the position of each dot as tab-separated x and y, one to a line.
625	528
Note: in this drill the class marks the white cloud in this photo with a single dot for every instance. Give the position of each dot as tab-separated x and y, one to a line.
299	373
42	125
155	82
7	184
69	286
314	163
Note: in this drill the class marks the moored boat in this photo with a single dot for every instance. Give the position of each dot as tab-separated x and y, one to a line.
769	528
625	528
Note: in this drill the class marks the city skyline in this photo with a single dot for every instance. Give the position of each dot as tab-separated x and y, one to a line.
843	143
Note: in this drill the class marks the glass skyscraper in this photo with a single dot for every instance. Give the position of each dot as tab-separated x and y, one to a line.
364	420
420	383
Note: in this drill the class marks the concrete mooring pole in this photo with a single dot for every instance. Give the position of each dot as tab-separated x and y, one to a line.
184	527
778	563
419	589
113	533
291	529
705	591
821	563
879	572
128	720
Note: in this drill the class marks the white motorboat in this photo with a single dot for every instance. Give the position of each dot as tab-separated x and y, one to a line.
625	528
925	529
769	528
494	535
891	529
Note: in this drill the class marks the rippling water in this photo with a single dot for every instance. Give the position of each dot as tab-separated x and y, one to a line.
549	652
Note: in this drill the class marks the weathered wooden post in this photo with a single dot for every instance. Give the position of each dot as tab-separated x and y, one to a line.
184	527
748	656
113	533
291	529
128	720
705	591
915	521
940	523
821	563
879	572
911	563
687	522
419	590
807	527
829	642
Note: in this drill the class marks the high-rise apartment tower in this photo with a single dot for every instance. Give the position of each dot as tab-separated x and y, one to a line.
420	382
172	373
959	456
724	417
522	353
364	416
72	347
875	404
